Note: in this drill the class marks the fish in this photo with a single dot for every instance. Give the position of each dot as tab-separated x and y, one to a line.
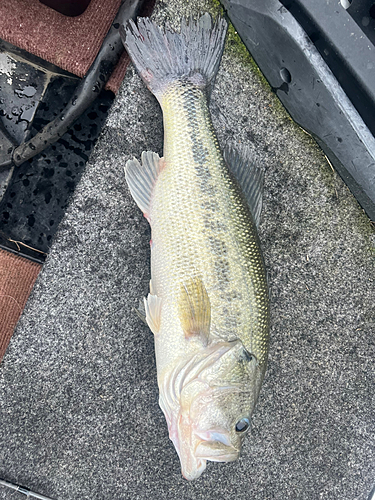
208	304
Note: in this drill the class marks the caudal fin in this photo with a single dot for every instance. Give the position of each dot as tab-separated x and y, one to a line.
162	56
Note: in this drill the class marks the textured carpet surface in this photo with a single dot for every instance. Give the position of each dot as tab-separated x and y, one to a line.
78	393
71	43
17	277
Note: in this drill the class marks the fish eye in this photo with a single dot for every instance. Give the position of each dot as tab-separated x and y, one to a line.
242	425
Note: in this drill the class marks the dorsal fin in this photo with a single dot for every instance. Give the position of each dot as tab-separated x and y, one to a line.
141	178
249	176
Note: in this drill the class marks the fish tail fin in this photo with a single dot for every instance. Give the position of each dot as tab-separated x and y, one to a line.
162	57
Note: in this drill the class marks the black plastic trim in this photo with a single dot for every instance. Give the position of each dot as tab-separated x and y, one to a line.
344	46
309	90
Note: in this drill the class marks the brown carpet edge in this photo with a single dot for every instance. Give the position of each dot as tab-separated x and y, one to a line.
71	43
17	278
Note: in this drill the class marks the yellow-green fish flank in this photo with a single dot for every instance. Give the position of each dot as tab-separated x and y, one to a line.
208	304
202	226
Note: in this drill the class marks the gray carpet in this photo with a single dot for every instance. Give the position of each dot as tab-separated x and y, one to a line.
78	392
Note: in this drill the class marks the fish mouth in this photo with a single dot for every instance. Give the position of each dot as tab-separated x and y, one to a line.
216	452
192	467
190	473
198	447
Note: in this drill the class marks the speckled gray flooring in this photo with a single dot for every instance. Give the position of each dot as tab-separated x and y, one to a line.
78	394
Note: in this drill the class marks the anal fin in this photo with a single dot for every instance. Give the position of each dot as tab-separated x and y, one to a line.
195	309
141	178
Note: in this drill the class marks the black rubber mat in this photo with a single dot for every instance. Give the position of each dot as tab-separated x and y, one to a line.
38	194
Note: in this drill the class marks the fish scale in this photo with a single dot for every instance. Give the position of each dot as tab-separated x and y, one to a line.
208	303
186	219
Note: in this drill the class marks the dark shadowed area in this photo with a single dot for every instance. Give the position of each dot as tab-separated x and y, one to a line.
78	393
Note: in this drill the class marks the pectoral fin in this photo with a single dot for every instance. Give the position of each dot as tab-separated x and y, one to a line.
153	312
195	309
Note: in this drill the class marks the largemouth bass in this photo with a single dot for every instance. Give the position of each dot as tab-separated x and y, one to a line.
208	303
